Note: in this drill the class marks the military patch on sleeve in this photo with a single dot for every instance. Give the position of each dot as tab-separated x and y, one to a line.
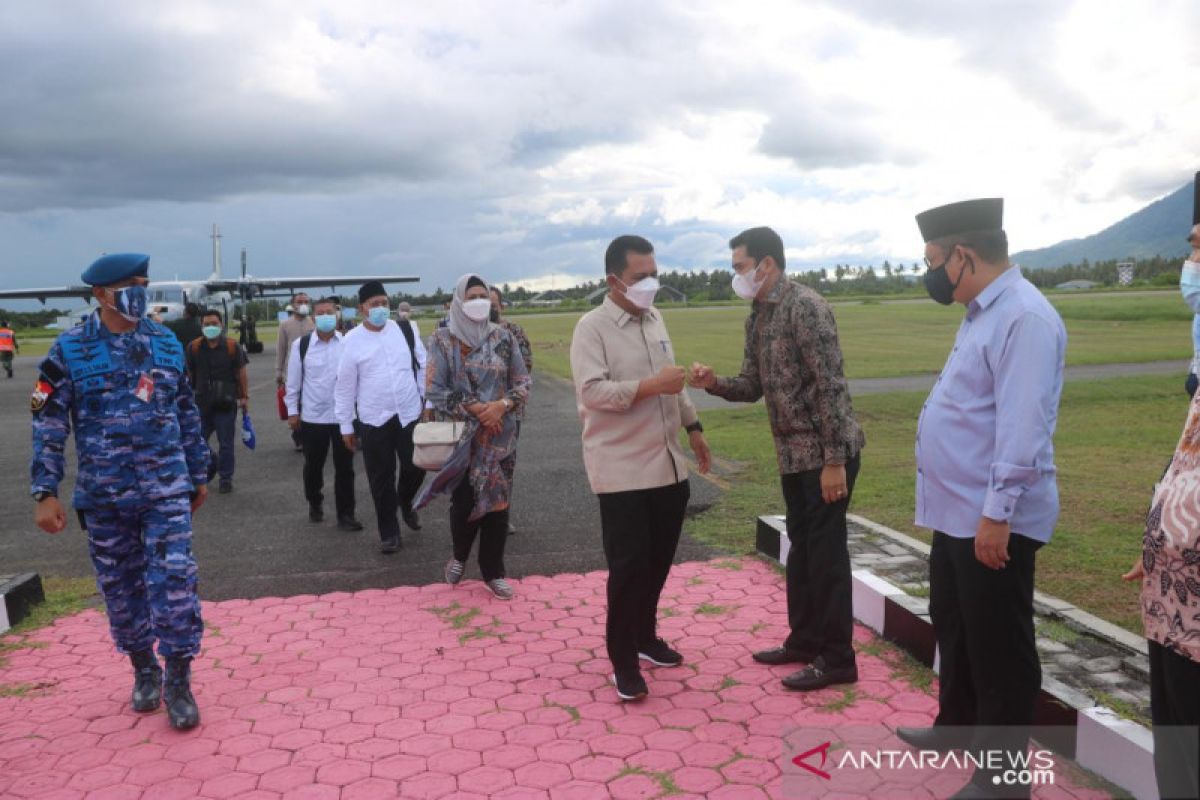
41	393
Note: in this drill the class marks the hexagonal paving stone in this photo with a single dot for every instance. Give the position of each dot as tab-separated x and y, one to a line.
231	785
286	778
359	696
343	772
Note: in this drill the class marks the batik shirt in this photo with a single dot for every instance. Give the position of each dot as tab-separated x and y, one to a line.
1171	549
518	334
792	358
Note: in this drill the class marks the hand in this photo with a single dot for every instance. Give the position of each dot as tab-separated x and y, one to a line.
1137	573
700	448
491	415
427	415
991	543
49	515
702	376
279	382
199	497
833	483
244	404
669	380
1194	239
348	439
294	422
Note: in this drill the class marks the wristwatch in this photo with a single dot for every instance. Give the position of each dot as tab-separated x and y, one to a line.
40	496
695	427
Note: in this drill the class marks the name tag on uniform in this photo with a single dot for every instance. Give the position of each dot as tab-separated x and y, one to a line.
145	388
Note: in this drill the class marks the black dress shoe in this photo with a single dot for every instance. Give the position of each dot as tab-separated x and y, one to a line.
783	655
817	676
938	738
349	523
390	545
412	520
316	514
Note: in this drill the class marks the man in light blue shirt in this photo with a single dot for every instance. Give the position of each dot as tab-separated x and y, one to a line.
986	481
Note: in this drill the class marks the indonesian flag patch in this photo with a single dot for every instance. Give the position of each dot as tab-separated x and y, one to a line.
41	393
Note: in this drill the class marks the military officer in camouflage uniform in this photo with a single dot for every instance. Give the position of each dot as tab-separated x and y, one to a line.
119	378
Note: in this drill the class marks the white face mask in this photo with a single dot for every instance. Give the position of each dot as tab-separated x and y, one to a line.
303	309
478	309
745	287
642	293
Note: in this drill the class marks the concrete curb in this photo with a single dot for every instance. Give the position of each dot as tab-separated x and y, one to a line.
1117	749
18	594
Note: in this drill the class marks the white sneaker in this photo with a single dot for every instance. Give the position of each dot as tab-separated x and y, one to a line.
454	571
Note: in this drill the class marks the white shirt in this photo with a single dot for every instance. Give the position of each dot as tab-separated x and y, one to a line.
319	375
376	374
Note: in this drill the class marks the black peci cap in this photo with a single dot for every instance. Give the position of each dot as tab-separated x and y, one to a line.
985	214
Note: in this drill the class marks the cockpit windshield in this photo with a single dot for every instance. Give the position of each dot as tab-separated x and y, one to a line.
165	294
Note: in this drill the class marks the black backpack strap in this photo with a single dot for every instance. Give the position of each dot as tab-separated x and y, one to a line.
407	330
305	341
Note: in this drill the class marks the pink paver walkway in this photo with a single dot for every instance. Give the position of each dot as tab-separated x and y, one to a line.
434	691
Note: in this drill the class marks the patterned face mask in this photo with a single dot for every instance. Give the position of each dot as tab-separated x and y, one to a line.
129	302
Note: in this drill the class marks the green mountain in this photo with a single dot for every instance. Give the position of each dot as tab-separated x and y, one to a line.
1159	229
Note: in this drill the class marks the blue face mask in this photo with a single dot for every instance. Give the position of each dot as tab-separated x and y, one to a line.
378	315
211	331
130	302
326	322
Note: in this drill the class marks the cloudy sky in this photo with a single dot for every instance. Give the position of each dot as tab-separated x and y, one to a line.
516	138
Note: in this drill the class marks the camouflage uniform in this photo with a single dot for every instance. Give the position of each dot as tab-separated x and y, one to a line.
137	433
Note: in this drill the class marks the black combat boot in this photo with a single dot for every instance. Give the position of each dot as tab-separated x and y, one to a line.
181	706
147	681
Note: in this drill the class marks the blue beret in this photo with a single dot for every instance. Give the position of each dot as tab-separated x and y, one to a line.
109	269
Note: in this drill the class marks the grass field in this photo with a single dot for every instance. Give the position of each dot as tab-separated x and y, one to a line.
890	339
1114	438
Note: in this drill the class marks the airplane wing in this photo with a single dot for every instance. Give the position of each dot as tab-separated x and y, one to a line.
81	290
259	286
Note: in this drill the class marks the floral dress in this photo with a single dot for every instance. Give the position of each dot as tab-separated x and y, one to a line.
457	377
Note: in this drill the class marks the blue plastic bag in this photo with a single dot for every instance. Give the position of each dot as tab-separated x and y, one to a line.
247	430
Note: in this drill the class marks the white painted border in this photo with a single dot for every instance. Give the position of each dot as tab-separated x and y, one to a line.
1117	749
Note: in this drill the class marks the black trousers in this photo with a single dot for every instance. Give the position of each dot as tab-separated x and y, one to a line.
641	531
983	620
491	528
819	589
1175	711
318	439
382	446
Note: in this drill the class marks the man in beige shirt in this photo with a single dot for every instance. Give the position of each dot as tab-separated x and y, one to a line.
632	403
299	324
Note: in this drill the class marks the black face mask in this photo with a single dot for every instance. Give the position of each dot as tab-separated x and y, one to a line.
938	284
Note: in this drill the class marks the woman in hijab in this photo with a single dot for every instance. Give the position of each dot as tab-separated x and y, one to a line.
475	374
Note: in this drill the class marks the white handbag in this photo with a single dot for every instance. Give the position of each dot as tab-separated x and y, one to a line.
433	442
